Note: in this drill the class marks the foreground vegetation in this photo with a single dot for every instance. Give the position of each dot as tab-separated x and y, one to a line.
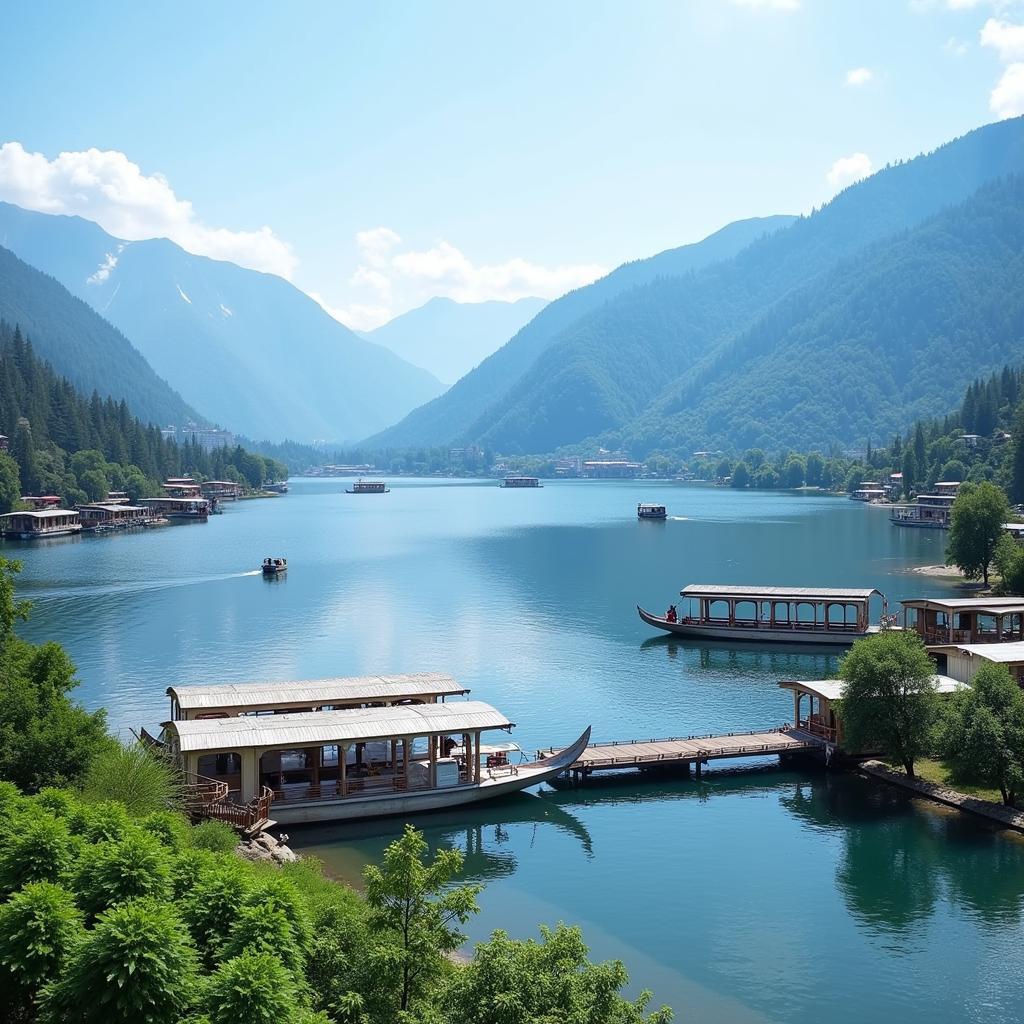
115	909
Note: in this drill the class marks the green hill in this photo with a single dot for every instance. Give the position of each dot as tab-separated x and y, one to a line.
453	414
654	366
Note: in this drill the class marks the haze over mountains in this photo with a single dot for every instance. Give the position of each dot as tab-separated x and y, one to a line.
449	338
878	308
249	350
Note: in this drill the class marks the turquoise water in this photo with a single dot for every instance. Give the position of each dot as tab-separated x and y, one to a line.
748	896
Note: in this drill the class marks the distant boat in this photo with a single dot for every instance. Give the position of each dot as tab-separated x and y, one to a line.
647	511
521	481
368	487
275	566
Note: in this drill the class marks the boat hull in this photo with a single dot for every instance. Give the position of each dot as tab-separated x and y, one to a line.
395	803
756	634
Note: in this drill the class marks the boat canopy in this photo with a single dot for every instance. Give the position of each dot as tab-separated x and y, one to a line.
985	605
778	593
319	728
316	692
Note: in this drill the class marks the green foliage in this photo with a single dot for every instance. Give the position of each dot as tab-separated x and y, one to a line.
115	872
253	988
10	484
40	849
544	982
415	911
135	965
99	823
39	929
170	828
263	928
889	702
976	527
740	476
211	906
135	776
1009	563
216	836
983	739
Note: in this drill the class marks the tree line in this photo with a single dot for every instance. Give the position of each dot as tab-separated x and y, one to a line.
82	448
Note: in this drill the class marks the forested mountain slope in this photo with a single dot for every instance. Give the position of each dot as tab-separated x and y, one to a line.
602	373
247	348
91	353
454	413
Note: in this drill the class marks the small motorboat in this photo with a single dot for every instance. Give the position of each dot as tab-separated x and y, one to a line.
275	566
647	511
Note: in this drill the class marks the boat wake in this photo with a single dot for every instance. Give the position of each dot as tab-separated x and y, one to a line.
136	587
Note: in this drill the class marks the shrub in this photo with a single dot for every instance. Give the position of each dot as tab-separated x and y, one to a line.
253	988
113	873
135	776
212	906
99	823
263	928
216	836
170	828
136	965
41	850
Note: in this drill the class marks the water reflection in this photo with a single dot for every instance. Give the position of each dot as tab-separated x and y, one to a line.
796	661
482	834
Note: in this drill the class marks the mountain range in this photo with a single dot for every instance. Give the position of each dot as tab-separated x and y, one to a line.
449	338
877	308
250	350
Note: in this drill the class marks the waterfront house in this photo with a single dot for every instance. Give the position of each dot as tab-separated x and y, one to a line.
962	661
45	522
112	515
181	487
966	620
178	508
41	501
221	490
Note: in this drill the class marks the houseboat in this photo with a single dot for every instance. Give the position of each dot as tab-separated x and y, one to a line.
222	490
182	487
962	661
45	522
277	487
809	615
197	509
275	566
966	620
646	511
112	515
521	481
353	763
869	491
368	487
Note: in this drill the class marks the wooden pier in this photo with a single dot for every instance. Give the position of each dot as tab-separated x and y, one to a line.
686	751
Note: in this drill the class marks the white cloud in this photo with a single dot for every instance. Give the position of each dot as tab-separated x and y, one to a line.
1007	99
106	187
1005	38
390	279
859	76
787	6
848	169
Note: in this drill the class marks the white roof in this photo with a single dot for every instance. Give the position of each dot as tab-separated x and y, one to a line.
315	691
832	689
966	603
351	725
808	593
1002	654
44	513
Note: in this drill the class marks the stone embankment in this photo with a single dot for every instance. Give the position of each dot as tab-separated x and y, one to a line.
266	848
1005	816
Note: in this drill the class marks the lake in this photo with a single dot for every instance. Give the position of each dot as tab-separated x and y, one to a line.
745	896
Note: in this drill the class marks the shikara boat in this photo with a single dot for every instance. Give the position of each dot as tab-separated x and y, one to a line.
770	614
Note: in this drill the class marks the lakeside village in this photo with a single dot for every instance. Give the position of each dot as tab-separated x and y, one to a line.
183	499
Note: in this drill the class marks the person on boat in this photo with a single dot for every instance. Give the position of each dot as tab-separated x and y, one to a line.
670	615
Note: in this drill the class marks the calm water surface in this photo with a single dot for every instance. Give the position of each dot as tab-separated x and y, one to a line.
750	896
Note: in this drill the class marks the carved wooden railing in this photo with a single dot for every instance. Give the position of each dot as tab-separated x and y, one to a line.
209	798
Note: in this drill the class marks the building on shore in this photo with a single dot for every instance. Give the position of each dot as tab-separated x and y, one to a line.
41	501
962	661
222	490
45	522
610	469
208	438
181	487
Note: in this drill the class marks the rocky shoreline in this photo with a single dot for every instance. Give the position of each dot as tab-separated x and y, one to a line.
265	848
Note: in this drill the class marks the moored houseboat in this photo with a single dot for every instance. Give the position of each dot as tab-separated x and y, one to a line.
276	487
521	481
197	509
368	487
648	511
112	515
966	620
357	762
44	522
809	615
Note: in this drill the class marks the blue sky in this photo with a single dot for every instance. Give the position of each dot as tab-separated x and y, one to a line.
380	153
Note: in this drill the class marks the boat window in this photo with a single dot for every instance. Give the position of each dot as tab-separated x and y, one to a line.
718	609
746	611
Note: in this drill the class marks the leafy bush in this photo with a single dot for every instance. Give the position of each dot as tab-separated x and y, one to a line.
41	850
135	776
253	988
115	872
215	836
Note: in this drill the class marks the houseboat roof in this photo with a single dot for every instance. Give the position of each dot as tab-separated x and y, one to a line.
756	593
174	501
1002	654
970	604
351	725
113	506
43	513
832	689
316	691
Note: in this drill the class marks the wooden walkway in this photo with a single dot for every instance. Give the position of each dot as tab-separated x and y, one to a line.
689	750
